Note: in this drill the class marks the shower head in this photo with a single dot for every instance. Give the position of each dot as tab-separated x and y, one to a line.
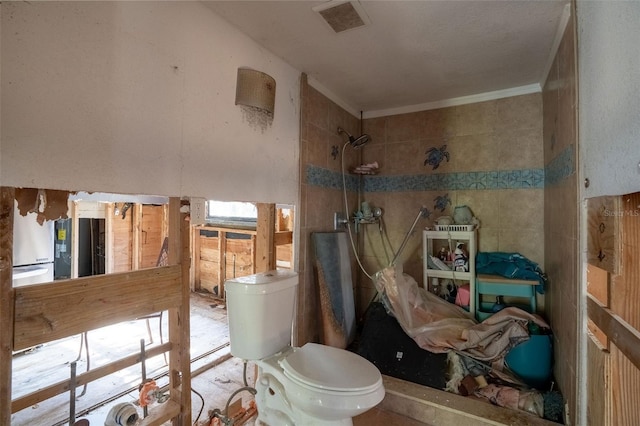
355	142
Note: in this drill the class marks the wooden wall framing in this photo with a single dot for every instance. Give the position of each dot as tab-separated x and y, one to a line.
214	257
613	310
42	312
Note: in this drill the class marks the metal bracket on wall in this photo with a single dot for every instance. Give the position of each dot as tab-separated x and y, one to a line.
339	221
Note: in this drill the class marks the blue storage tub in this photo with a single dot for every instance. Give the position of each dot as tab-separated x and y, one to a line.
532	360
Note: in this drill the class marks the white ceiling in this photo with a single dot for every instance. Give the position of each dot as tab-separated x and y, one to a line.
413	52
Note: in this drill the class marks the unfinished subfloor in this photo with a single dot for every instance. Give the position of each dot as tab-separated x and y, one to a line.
216	375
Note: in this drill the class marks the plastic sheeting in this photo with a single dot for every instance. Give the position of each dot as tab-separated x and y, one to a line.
439	326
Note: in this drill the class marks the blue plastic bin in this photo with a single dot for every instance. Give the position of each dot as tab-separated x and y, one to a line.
532	360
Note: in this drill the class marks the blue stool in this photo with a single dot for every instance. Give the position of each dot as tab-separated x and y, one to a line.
502	286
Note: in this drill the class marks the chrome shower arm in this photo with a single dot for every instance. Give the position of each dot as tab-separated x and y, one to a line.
422	213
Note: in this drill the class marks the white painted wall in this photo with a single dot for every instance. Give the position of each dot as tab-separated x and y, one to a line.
609	96
138	97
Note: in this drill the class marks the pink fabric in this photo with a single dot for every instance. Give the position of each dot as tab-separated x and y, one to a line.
463	297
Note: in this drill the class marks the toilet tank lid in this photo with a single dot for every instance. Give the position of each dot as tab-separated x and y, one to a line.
262	283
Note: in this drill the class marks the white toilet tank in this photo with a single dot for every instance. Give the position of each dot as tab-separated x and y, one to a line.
260	311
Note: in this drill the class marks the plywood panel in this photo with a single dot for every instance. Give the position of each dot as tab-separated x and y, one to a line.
625	389
613	305
603	214
209	249
152	235
625	289
51	311
226	255
122	229
91	210
238	258
598	370
625	303
284	255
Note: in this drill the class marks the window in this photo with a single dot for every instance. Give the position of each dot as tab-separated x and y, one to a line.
231	212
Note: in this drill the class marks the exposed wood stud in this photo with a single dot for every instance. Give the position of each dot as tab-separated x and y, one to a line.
222	261
265	240
136	252
7	196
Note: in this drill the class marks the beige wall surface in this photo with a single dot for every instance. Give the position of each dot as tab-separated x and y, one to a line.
321	147
561	215
494	166
139	97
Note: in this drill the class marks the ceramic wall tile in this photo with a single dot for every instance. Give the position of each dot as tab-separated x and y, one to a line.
376	128
473	119
404	127
317	108
435	155
523	149
504	179
488	238
338	117
403	158
529	242
375	153
439	123
365	295
476	152
316	147
561	212
521	207
550	120
483	205
567	90
519	112
301	213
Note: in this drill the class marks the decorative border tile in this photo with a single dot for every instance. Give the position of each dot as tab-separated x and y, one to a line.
504	179
561	167
319	176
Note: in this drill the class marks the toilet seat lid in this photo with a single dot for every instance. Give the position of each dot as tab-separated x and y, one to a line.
330	368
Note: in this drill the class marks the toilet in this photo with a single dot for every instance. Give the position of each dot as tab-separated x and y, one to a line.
310	385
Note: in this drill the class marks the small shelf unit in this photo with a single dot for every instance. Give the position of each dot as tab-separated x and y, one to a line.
431	243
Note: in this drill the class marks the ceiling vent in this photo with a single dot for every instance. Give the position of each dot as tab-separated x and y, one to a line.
343	15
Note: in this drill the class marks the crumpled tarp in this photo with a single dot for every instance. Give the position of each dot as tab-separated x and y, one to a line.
439	326
511	265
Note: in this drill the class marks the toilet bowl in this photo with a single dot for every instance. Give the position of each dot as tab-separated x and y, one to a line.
311	385
316	385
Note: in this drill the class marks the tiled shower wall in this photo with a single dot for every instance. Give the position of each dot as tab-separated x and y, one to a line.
492	161
561	213
320	149
494	166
